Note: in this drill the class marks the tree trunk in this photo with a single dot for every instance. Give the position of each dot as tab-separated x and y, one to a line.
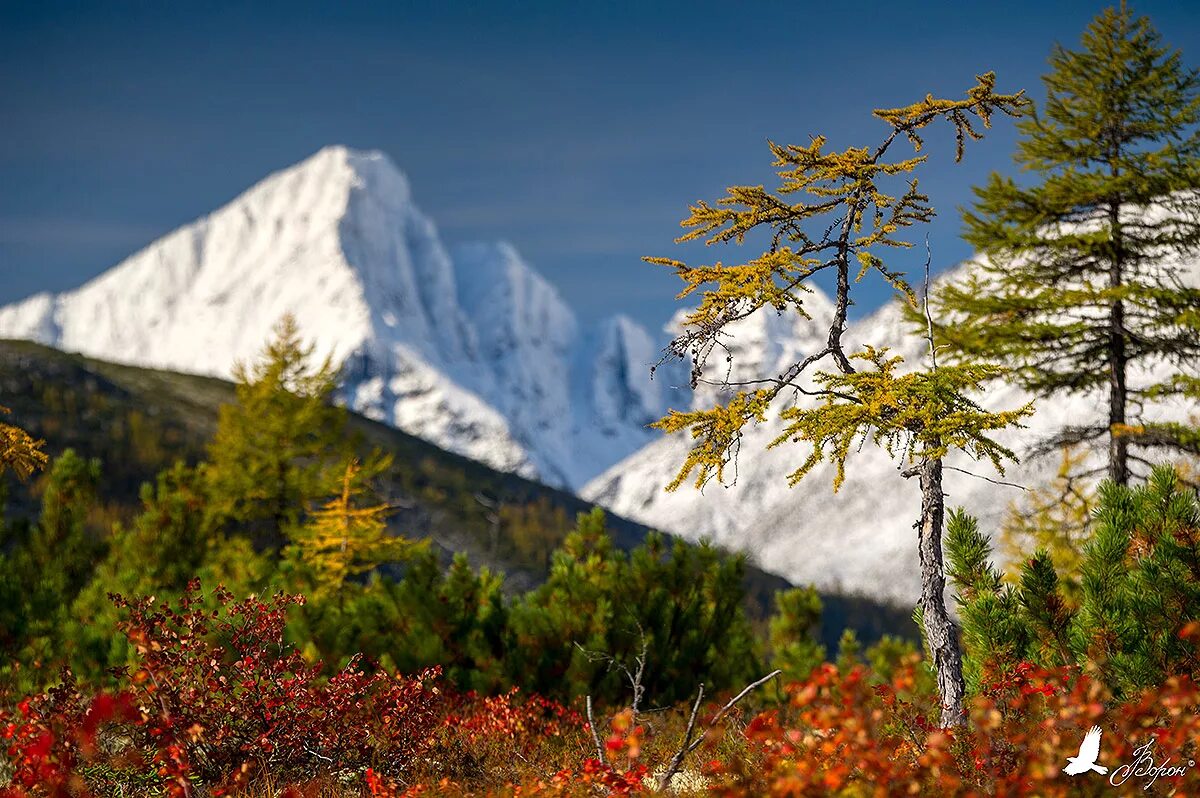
1118	445
940	633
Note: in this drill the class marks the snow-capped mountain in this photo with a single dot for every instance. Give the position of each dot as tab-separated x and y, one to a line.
468	347
860	540
471	349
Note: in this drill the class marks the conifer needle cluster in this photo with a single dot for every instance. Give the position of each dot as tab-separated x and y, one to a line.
842	223
19	452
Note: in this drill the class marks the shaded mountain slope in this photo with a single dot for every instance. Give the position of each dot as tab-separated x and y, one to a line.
138	421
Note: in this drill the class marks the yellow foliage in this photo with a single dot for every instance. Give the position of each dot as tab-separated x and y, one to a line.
845	182
981	102
1055	518
921	415
717	431
831	212
342	539
19	452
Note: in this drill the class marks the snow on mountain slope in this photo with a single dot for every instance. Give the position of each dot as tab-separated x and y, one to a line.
860	539
526	333
612	398
473	350
764	343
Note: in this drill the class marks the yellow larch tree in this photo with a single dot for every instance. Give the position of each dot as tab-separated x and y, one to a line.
348	536
832	215
20	453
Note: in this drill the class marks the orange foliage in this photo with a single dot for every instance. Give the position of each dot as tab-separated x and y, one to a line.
841	732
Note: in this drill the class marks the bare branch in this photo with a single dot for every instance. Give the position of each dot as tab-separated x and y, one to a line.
688	745
985	479
928	315
595	736
677	760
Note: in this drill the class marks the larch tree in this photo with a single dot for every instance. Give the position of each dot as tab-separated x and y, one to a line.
841	224
19	452
277	446
1082	289
348	535
1056	518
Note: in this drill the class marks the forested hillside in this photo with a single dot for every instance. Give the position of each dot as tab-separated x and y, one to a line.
138	422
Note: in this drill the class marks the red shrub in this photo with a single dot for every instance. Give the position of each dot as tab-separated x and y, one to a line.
217	695
511	717
840	735
218	698
47	736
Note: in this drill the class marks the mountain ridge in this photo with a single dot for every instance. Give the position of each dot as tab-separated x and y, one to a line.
861	539
467	347
470	349
140	421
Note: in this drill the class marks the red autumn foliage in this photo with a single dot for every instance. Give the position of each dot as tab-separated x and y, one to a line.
35	732
218	699
217	696
841	734
510	717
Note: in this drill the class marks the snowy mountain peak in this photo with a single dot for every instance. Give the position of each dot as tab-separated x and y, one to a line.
861	539
624	354
505	297
474	350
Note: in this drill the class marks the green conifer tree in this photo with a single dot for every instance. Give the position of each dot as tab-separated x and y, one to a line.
1081	287
850	650
987	606
841	224
276	448
168	543
793	633
1140	592
66	541
678	607
45	570
455	618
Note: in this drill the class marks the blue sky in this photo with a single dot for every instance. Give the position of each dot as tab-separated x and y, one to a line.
578	131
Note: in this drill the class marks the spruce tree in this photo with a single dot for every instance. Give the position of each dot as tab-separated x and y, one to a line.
1082	287
841	225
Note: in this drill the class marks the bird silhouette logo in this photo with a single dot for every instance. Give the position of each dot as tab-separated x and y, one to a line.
1089	752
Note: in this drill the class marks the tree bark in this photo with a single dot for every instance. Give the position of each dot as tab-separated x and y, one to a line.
940	633
1118	445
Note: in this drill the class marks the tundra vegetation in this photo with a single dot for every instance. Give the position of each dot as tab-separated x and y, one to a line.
255	628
